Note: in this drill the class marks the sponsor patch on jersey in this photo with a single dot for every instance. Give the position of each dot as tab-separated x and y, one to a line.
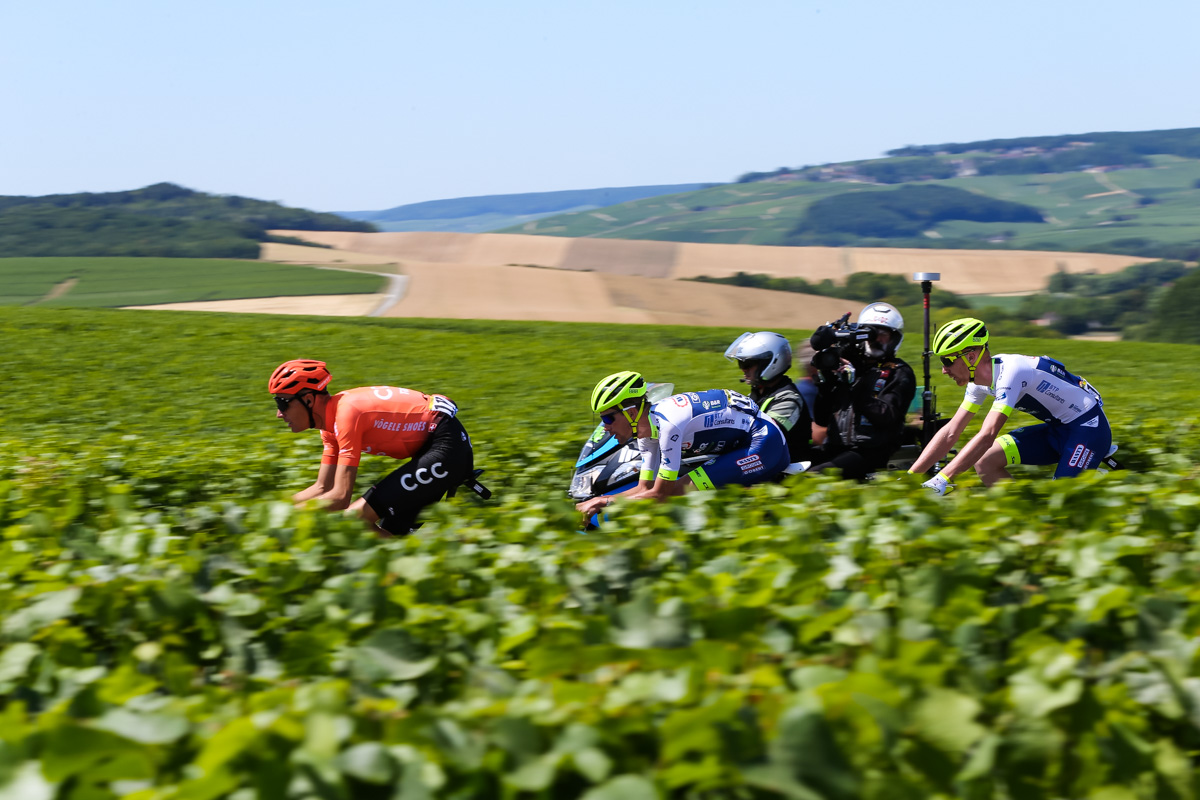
680	401
1080	457
749	464
1094	422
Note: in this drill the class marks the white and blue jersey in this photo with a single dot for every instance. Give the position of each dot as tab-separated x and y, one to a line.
1074	432
717	422
1037	385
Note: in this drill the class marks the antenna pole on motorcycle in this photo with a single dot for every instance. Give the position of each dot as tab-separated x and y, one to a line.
928	409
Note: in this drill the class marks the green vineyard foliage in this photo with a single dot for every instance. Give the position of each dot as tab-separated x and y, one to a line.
172	627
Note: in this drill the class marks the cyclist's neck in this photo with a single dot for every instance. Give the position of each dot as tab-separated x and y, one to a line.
319	406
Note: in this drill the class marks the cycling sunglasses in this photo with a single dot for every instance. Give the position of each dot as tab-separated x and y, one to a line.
282	400
948	361
609	419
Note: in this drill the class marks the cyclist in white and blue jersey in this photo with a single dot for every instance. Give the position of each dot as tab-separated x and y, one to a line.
746	445
1074	432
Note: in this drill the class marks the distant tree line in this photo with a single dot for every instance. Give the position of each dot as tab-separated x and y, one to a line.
162	220
904	212
1131	301
1065	153
752	177
1178	142
1175	318
870	287
1155	301
1104	155
864	286
1129	246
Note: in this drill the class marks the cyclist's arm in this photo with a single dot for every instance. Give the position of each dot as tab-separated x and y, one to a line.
338	497
943	440
664	488
322	485
594	504
978	445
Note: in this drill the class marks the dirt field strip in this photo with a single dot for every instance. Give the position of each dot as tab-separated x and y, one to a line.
60	289
964	271
330	305
299	254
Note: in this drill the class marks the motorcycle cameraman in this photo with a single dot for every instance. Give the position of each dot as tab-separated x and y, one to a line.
865	390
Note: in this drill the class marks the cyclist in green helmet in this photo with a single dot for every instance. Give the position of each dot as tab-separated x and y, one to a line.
746	445
1074	432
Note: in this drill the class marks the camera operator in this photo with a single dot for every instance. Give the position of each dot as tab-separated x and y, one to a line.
865	390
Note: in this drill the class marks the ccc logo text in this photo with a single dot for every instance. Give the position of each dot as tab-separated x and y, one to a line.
410	482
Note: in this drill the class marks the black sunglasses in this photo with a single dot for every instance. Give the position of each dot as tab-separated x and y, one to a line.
948	361
282	400
609	419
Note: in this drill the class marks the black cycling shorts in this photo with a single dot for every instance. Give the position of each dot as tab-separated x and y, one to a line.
443	463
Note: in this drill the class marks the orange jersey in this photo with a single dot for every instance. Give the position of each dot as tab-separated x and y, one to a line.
383	420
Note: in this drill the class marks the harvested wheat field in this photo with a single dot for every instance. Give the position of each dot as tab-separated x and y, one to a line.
299	254
963	271
525	293
492	249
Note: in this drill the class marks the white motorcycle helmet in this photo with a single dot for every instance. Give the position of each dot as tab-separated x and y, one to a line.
769	348
883	315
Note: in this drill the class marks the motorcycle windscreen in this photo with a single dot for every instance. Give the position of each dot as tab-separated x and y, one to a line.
600	444
607	472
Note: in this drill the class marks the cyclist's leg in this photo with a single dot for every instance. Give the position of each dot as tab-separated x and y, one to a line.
765	457
441	465
993	465
1083	447
1036	445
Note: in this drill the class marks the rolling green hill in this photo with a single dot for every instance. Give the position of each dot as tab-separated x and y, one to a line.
489	212
163	220
1148	207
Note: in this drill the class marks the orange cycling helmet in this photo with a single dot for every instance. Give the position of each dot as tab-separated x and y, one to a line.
293	377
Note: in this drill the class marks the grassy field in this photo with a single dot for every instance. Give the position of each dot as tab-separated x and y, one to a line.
1005	302
113	282
1084	209
173	628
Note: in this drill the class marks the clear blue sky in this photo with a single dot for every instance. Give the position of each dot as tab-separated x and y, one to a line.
369	104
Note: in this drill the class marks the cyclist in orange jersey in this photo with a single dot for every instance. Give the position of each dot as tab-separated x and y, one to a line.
381	420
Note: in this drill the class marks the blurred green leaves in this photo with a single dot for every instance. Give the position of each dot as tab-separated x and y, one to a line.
170	627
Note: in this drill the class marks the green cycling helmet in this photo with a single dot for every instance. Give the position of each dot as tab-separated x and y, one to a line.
616	389
959	334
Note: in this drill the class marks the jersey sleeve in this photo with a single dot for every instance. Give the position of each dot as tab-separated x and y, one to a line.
348	435
974	398
651	456
330	448
1006	379
670	447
